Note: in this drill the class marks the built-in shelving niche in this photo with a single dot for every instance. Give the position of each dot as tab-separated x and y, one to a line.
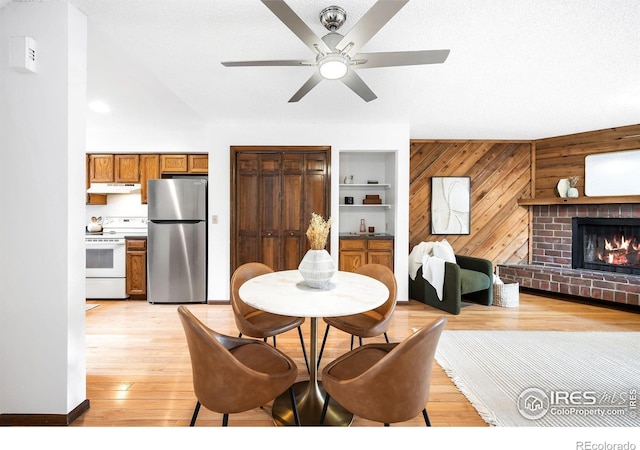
373	173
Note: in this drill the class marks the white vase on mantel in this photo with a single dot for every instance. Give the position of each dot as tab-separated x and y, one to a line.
563	187
573	192
317	268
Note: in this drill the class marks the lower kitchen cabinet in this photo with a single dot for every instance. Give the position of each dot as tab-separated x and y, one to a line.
357	252
137	268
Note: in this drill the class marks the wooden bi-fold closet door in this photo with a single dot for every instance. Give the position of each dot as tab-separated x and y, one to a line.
274	190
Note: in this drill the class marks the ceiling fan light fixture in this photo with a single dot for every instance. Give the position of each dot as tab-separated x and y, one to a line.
333	67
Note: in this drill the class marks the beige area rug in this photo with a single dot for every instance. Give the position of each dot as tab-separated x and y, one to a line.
90	307
546	379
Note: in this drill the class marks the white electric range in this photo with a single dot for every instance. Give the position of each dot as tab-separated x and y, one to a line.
106	256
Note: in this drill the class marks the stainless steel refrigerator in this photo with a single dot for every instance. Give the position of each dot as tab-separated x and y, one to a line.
177	241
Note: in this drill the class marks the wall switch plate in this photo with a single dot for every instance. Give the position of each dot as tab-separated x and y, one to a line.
214	219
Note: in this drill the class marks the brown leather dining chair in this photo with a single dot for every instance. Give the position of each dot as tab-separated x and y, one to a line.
370	323
386	383
232	375
254	322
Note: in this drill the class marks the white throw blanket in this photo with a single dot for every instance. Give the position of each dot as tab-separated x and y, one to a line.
432	266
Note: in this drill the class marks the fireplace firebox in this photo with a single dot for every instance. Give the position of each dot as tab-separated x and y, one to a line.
606	244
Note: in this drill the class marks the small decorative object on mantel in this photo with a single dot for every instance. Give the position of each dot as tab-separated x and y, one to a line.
317	266
563	187
573	190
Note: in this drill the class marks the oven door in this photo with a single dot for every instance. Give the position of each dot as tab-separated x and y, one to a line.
106	259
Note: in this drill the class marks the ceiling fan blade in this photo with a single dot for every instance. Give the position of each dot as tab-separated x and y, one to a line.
410	58
374	19
295	24
358	86
304	90
275	62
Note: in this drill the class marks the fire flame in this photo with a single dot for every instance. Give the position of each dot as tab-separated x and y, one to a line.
616	250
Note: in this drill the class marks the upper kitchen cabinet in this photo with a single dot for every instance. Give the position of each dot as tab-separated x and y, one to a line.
114	168
101	168
139	168
92	199
184	164
127	168
149	170
174	164
199	163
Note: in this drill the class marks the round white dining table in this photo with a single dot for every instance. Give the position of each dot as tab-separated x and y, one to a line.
286	293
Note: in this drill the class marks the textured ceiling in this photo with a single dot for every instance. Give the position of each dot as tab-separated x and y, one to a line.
517	70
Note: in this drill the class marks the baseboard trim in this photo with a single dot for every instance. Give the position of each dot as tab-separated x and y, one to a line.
25	420
218	302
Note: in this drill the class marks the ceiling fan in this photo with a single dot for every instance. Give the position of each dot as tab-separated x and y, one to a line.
336	55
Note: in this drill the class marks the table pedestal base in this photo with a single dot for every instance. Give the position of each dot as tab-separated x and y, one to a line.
309	399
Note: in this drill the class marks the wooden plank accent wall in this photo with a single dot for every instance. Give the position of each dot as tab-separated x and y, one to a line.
500	174
563	156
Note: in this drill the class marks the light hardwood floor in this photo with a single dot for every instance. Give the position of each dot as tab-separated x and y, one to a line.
139	373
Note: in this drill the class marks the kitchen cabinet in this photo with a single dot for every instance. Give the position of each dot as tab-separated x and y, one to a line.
139	168
101	168
174	163
149	170
92	199
198	163
357	252
127	168
136	266
192	164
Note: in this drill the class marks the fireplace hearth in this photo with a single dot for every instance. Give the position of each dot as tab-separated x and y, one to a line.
606	244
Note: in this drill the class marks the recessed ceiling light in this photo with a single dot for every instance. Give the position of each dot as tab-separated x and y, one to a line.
99	107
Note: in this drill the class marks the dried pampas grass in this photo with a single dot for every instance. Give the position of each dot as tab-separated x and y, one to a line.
318	231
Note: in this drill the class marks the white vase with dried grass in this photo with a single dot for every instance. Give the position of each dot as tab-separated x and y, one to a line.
317	266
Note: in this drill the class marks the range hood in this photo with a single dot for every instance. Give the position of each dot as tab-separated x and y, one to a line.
114	188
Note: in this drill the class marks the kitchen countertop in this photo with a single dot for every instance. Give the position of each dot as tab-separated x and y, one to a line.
134	236
358	235
126	235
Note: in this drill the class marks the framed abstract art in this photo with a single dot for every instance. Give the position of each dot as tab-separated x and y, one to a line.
450	205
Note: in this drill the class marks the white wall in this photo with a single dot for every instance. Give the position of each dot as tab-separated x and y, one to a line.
351	137
42	135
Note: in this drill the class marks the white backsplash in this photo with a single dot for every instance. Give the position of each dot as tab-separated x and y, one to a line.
118	205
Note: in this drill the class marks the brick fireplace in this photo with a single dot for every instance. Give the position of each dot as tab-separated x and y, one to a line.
551	269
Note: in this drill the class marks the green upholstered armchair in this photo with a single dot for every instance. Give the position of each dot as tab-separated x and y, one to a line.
471	278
